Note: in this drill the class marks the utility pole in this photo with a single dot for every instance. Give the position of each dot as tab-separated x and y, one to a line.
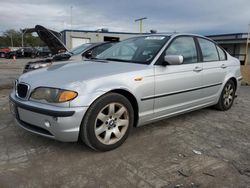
248	34
140	19
22	37
71	7
11	39
23	32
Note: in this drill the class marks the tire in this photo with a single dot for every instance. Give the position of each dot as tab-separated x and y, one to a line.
2	55
104	129
8	56
227	96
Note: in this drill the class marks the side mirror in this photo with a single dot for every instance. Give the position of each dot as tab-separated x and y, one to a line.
173	59
88	54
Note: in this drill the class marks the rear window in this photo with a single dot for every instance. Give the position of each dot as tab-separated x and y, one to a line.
208	49
222	54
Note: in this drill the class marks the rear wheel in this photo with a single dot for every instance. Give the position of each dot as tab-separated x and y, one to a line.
227	96
107	122
2	54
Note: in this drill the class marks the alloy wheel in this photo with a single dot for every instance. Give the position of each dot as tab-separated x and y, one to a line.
111	123
228	95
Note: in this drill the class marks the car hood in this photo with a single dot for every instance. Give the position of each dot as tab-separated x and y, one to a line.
66	74
62	56
51	39
48	60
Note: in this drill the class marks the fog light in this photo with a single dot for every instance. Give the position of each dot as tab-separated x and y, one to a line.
47	123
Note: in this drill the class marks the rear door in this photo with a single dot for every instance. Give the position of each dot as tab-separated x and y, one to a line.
214	69
177	87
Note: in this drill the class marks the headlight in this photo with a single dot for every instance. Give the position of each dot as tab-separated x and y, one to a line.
39	65
53	95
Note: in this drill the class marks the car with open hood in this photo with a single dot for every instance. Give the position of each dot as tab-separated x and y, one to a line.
135	82
59	50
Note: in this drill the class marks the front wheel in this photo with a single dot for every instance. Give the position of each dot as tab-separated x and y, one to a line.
227	96
107	122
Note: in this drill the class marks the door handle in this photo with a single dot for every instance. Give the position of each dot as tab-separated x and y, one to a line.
223	66
198	69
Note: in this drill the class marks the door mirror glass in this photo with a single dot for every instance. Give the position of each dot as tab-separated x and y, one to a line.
88	54
173	59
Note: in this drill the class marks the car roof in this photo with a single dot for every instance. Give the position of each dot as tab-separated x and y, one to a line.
173	34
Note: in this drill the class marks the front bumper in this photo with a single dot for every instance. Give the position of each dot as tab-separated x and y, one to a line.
54	122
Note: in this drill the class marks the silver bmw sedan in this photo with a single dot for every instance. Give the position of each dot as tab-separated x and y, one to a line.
137	81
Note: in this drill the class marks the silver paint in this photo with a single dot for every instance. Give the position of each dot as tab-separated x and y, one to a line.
93	79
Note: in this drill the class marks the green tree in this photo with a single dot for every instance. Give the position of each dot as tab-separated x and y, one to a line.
30	40
13	37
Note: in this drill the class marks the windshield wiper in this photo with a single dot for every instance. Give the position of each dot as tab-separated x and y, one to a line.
116	59
124	60
96	59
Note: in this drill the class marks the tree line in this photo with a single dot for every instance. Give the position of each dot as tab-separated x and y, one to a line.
13	38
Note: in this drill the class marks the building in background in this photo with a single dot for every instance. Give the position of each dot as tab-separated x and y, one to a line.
234	44
73	38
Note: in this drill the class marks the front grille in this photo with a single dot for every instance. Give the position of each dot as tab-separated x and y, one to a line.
22	90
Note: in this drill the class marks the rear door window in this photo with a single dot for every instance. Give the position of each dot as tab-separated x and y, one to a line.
208	49
222	54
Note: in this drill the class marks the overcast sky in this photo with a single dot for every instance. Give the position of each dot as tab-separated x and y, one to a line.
196	16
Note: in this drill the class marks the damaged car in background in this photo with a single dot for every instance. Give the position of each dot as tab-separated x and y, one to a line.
59	50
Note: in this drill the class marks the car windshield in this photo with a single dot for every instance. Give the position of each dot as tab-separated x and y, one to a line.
135	50
79	49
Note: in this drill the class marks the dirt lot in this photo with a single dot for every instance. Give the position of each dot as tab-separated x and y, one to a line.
205	148
10	70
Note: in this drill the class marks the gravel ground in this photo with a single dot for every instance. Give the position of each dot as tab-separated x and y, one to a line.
10	70
205	148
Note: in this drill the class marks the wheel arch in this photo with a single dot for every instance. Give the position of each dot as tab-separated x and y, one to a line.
124	92
132	100
231	77
234	80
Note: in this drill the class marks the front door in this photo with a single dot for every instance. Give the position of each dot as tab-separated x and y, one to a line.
177	87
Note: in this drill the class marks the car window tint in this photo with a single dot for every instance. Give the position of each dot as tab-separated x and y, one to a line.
96	51
141	49
79	49
208	50
124	52
222	54
184	46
